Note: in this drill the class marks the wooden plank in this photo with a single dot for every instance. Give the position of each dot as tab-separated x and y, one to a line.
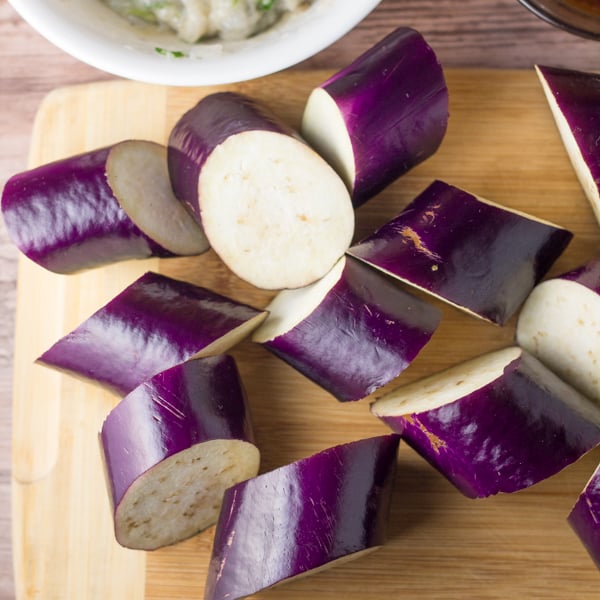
501	144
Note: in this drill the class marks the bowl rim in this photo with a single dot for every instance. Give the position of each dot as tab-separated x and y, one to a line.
550	18
279	53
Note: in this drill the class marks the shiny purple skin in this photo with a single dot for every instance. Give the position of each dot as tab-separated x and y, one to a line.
504	437
477	256
202	128
194	402
587	275
302	516
394	101
577	94
155	323
584	518
365	333
65	217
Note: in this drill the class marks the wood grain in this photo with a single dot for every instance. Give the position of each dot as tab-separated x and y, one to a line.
501	144
470	33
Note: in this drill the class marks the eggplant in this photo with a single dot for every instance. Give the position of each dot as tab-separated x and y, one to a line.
302	517
272	209
99	207
351	332
171	448
500	422
153	324
380	116
573	97
476	255
584	517
560	324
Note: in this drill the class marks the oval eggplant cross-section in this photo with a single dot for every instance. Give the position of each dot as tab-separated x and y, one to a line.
574	97
172	447
584	518
381	115
351	332
497	423
99	207
560	324
272	209
155	323
474	254
303	517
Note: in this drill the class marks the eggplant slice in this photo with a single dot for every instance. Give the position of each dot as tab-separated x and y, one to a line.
99	207
380	116
155	323
351	332
172	447
272	209
472	253
303	517
500	422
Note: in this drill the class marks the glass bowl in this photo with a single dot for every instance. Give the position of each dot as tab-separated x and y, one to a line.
581	17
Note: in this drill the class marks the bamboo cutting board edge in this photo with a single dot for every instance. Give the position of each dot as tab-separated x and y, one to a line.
53	558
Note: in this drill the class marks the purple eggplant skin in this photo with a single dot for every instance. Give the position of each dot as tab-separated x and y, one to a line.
587	275
504	437
201	129
155	323
302	516
364	334
577	94
191	403
65	217
584	518
475	255
394	101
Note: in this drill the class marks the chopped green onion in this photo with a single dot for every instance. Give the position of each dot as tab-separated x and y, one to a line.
173	53
265	4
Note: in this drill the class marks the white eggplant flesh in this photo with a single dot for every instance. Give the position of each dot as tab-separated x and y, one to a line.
272	209
560	324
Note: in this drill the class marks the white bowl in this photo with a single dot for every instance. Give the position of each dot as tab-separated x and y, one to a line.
94	34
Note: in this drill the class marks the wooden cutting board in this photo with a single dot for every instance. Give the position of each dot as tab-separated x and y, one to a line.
501	144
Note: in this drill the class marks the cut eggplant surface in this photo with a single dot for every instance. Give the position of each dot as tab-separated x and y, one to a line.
351	332
584	518
382	115
497	423
474	254
574	97
272	209
172	447
302	518
560	324
155	323
100	207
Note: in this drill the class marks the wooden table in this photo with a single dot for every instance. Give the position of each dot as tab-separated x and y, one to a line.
471	33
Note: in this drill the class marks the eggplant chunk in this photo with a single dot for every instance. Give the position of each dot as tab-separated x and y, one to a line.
476	255
172	447
497	423
303	517
100	207
155	323
351	332
574	97
380	116
584	518
560	324
272	209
